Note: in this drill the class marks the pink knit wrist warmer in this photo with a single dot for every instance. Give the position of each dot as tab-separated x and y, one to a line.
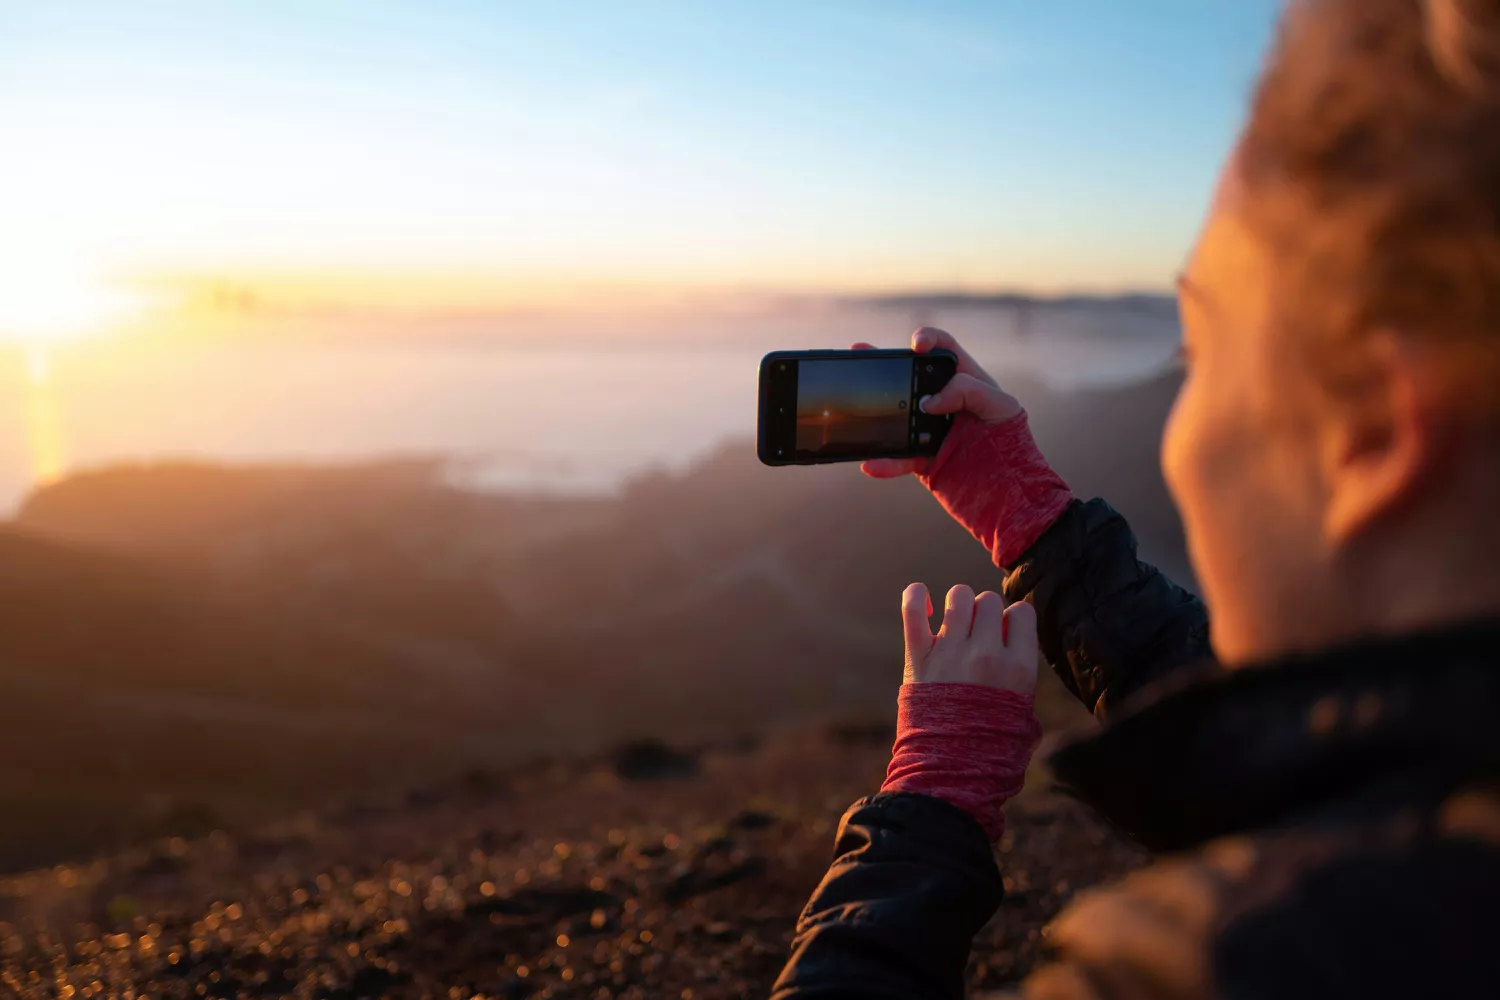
994	481
966	744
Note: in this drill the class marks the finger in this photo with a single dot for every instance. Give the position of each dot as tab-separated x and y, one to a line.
1020	630
930	338
967	394
916	610
860	345
989	620
958	613
893	468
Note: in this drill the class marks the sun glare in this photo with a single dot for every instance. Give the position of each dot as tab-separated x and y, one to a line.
44	429
40	307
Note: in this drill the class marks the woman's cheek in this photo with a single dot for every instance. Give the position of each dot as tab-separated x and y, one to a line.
1214	458
1193	455
1177	448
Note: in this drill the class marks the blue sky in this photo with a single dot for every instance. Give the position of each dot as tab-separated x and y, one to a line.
1049	145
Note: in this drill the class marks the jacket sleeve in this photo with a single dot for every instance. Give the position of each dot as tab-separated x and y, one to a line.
913	880
1109	623
1307	914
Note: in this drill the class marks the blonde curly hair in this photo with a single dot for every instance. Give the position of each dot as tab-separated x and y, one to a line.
1372	163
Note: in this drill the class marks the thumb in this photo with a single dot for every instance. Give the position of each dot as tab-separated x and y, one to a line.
967	394
916	622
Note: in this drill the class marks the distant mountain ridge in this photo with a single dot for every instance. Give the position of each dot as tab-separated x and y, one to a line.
1158	304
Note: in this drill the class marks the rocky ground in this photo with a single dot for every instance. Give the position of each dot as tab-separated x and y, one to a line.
648	874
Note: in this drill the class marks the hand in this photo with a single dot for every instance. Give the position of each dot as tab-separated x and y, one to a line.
971	391
981	641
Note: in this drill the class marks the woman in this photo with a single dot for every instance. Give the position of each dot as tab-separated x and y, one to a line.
1329	779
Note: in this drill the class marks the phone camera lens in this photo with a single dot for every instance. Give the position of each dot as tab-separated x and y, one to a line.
929	368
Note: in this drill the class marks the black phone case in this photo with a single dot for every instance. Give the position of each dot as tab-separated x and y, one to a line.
764	449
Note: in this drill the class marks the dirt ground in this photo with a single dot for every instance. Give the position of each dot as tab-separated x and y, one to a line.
682	880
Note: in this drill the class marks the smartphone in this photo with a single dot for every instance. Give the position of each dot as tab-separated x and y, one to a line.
847	406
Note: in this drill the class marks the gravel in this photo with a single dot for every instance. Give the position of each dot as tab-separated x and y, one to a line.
556	880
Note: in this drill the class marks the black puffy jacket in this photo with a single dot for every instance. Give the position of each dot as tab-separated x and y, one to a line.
1329	824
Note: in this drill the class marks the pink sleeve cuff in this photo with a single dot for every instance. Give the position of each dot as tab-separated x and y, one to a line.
994	481
966	744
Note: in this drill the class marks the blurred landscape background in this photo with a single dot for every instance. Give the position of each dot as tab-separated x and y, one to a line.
389	593
189	642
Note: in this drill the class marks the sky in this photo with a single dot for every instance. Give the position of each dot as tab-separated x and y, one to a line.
865	388
447	153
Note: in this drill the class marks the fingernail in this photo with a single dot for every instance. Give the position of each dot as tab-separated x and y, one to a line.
922	403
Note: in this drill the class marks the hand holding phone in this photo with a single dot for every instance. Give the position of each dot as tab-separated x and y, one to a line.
850	406
973	391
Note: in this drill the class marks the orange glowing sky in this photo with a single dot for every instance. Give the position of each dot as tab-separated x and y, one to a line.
467	155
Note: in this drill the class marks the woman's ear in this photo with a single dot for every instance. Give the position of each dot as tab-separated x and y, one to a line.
1381	438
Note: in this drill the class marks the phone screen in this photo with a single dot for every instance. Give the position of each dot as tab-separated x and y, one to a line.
842	406
854	407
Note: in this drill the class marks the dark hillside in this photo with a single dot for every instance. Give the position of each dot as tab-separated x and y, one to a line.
213	638
136	696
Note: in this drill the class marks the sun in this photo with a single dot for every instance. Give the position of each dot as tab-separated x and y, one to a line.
40	307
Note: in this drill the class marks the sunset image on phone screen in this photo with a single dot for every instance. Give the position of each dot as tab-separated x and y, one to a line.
848	407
